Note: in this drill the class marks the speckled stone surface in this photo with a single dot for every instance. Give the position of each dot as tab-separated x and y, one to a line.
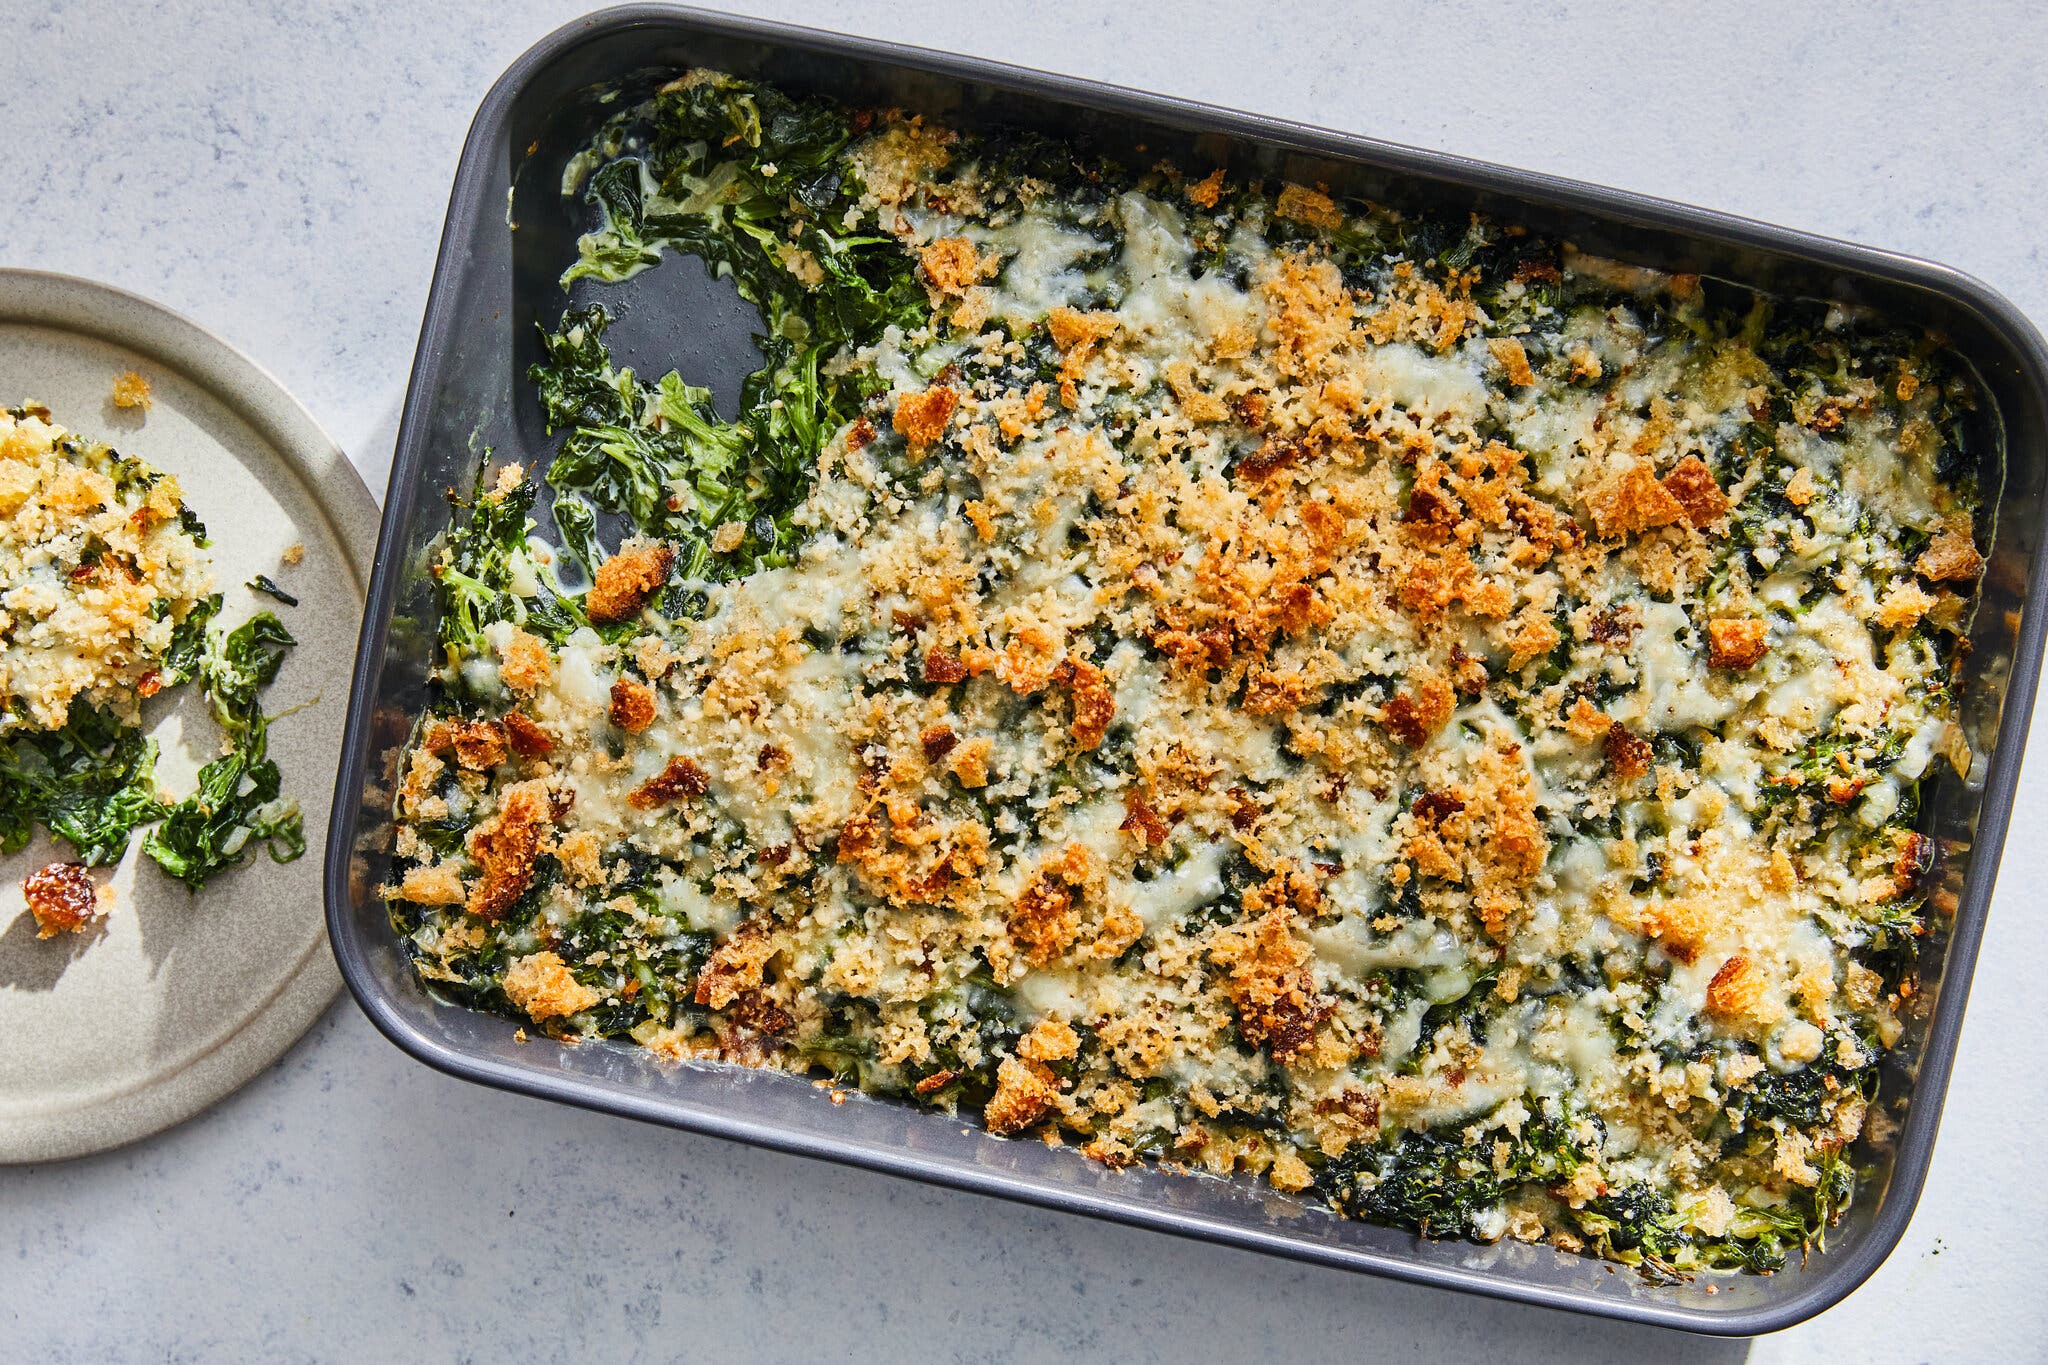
280	173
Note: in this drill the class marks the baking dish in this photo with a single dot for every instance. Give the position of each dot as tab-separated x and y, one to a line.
509	234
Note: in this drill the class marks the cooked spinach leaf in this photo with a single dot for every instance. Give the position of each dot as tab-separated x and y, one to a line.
188	642
264	584
238	805
751	182
482	567
90	784
576	527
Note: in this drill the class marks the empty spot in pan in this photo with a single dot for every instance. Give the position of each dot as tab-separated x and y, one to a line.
676	315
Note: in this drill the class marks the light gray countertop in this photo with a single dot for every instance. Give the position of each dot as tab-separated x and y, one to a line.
280	172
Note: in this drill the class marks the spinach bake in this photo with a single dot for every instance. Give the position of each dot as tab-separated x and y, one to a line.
105	602
1214	672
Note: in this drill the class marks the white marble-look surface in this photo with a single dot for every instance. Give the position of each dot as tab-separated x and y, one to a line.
279	172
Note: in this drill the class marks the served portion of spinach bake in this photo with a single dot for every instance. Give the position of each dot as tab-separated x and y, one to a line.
106	601
1214	672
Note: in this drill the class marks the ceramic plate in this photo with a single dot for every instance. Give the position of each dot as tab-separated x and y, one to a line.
109	1036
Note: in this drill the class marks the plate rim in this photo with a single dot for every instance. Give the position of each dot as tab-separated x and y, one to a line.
301	993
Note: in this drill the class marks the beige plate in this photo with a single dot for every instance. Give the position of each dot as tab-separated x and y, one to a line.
178	1000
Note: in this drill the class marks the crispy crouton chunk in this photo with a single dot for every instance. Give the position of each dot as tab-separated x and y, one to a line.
1691	485
1950	556
680	778
581	854
756	1011
131	390
936	741
1072	329
1780	875
1530	636
626	580
1077	334
1417	714
416	795
63	899
1736	991
1025	1093
1205	193
969	762
1094	701
479	746
1680	926
1587	721
1289	1173
1513	360
1628	755
542	985
524	662
1737	643
1312	207
438	884
1050	1040
1142	820
1904	603
526	737
632	705
1046	920
951	265
941	667
735	968
505	846
937	1081
1632	502
1272	985
921	418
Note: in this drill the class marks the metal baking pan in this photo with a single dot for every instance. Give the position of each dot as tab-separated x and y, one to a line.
510	233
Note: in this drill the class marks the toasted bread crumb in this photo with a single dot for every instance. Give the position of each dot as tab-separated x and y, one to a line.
951	265
505	845
1627	754
1737	643
542	985
1736	990
624	582
1312	207
735	967
524	663
1050	1040
921	418
1025	1093
1513	360
1691	485
632	705
1633	501
131	390
1950	556
438	884
680	778
1205	192
64	899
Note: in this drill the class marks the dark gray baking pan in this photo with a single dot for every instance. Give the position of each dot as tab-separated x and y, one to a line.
509	235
